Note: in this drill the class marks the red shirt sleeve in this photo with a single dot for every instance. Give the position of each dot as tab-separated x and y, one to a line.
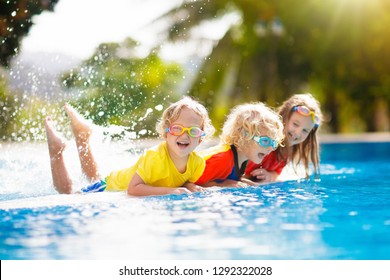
269	163
250	167
218	167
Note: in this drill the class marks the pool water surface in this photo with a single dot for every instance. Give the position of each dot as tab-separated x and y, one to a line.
345	215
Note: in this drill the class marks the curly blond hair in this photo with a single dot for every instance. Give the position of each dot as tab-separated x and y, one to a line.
173	111
247	120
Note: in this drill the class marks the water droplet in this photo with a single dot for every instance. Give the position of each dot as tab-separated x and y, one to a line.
159	107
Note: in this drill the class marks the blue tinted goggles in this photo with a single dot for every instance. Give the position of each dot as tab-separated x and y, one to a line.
265	142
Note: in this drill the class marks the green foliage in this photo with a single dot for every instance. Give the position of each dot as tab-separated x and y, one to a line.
15	23
8	110
29	126
21	119
118	88
113	89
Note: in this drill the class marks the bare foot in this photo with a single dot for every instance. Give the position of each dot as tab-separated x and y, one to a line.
55	142
81	127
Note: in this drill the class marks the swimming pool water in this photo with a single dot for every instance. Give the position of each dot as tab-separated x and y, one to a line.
344	216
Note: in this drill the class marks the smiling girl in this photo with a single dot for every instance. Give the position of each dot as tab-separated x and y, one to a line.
302	117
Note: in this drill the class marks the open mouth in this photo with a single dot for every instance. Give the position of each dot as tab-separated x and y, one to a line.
261	155
182	144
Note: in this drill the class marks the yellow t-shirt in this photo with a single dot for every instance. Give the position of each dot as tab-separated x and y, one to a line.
156	168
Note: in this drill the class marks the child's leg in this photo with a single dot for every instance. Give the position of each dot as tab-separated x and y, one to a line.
82	132
61	179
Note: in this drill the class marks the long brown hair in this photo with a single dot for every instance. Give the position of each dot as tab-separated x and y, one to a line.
308	151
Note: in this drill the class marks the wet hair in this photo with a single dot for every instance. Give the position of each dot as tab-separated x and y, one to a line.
307	151
247	120
171	114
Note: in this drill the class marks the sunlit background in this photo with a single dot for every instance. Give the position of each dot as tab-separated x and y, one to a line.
121	62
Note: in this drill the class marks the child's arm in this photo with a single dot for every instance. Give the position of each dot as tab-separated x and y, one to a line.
193	187
249	182
225	183
137	187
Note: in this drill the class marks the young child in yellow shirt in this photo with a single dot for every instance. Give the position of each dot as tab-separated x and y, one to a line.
170	168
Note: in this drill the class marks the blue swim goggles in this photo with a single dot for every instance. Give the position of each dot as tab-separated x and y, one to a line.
265	142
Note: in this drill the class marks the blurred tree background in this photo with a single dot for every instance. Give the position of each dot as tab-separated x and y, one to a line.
339	50
15	23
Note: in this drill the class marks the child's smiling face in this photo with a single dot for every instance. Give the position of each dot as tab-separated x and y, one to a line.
298	128
181	146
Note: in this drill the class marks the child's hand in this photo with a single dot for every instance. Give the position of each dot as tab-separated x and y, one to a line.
180	191
264	175
192	187
249	182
